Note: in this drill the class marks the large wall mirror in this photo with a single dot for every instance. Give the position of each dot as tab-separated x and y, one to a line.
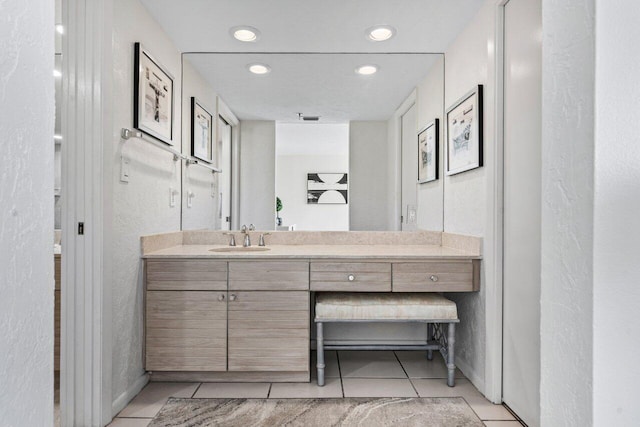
313	141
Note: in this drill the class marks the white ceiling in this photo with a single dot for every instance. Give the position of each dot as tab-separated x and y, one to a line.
323	85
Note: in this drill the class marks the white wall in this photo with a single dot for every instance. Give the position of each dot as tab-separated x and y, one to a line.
141	206
257	173
430	96
567	215
368	175
198	180
468	196
26	217
616	270
309	148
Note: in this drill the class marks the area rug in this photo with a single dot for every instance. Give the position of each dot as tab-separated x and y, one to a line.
432	412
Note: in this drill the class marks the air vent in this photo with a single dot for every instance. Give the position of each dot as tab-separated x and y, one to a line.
308	118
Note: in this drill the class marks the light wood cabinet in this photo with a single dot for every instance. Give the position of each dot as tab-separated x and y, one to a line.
193	324
268	331
186	331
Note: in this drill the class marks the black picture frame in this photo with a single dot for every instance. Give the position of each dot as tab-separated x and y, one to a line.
198	111
464	147
155	117
430	130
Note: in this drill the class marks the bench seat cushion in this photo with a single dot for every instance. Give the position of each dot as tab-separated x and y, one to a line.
384	306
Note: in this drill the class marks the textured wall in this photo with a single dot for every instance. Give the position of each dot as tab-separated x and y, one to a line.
140	206
430	98
368	169
617	206
469	62
257	173
203	212
568	62
26	212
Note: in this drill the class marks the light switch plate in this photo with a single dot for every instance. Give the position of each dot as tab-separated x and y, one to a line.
124	169
172	197
411	214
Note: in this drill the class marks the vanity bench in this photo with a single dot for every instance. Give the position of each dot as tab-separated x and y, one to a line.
430	308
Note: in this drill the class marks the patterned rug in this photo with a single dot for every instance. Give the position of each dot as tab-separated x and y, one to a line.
432	412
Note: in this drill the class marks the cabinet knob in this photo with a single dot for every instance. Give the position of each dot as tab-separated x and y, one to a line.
351	277
221	297
232	297
433	278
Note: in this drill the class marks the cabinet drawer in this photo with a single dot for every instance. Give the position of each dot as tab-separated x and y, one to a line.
268	276
186	275
351	276
447	276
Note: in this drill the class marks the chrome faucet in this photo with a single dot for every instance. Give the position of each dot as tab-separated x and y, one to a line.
261	242
232	240
247	240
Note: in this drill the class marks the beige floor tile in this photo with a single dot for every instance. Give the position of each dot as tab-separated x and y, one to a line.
233	390
481	406
332	388
330	364
370	364
377	387
502	424
149	401
416	365
130	422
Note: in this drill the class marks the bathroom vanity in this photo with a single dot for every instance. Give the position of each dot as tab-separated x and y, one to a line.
220	313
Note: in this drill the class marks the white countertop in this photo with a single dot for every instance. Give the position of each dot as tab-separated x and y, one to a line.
316	252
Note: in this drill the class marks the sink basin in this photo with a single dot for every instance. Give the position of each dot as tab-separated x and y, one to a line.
241	249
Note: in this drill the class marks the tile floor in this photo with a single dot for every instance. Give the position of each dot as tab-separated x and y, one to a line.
348	374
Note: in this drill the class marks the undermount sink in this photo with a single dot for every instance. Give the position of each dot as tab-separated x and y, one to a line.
241	249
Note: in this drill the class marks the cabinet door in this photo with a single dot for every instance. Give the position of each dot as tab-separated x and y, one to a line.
186	331
269	331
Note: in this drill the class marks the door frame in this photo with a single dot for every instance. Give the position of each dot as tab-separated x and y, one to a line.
228	116
494	294
86	319
396	147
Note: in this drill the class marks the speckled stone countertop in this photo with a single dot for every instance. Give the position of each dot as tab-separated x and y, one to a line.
315	252
314	245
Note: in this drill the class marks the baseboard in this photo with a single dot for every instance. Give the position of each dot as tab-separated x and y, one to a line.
123	400
471	375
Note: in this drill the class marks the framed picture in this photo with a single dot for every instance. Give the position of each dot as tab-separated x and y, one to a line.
152	97
464	133
201	132
327	189
428	142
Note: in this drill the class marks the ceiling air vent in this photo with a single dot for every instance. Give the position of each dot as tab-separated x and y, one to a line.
308	118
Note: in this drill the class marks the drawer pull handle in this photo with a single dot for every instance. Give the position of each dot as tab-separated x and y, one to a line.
221	297
232	297
433	278
351	277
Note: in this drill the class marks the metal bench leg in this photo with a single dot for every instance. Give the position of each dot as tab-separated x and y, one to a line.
429	339
451	365
320	348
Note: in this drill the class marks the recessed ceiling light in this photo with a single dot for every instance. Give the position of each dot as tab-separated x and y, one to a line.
367	70
57	137
57	73
245	33
60	28
259	68
380	33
